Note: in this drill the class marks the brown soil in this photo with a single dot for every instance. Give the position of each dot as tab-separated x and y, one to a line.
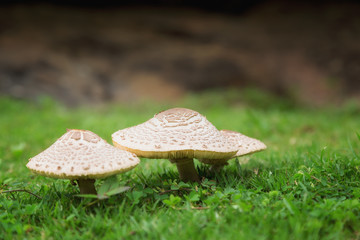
84	55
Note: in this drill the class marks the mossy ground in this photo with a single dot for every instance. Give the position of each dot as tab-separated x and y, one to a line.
306	185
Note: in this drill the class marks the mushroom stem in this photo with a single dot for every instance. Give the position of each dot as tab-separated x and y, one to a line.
186	169
87	186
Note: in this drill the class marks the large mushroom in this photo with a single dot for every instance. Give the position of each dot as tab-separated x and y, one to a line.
83	156
246	145
177	134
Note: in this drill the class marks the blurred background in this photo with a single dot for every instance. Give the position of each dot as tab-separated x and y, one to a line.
91	52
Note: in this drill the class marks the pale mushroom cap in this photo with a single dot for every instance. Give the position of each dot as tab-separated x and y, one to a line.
245	144
173	134
81	154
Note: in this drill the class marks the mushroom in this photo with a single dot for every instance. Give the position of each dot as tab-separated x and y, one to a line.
246	145
83	156
177	134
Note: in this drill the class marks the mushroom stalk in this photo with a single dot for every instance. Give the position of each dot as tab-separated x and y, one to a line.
186	170
87	186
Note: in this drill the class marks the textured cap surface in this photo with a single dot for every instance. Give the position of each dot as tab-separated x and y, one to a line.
175	133
81	154
246	145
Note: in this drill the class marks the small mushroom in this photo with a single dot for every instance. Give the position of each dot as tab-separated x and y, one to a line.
246	145
83	156
177	134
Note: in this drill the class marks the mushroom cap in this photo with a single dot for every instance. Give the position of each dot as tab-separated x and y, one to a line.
81	154
246	145
175	134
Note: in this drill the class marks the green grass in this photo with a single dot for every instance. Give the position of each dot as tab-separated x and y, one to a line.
305	186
